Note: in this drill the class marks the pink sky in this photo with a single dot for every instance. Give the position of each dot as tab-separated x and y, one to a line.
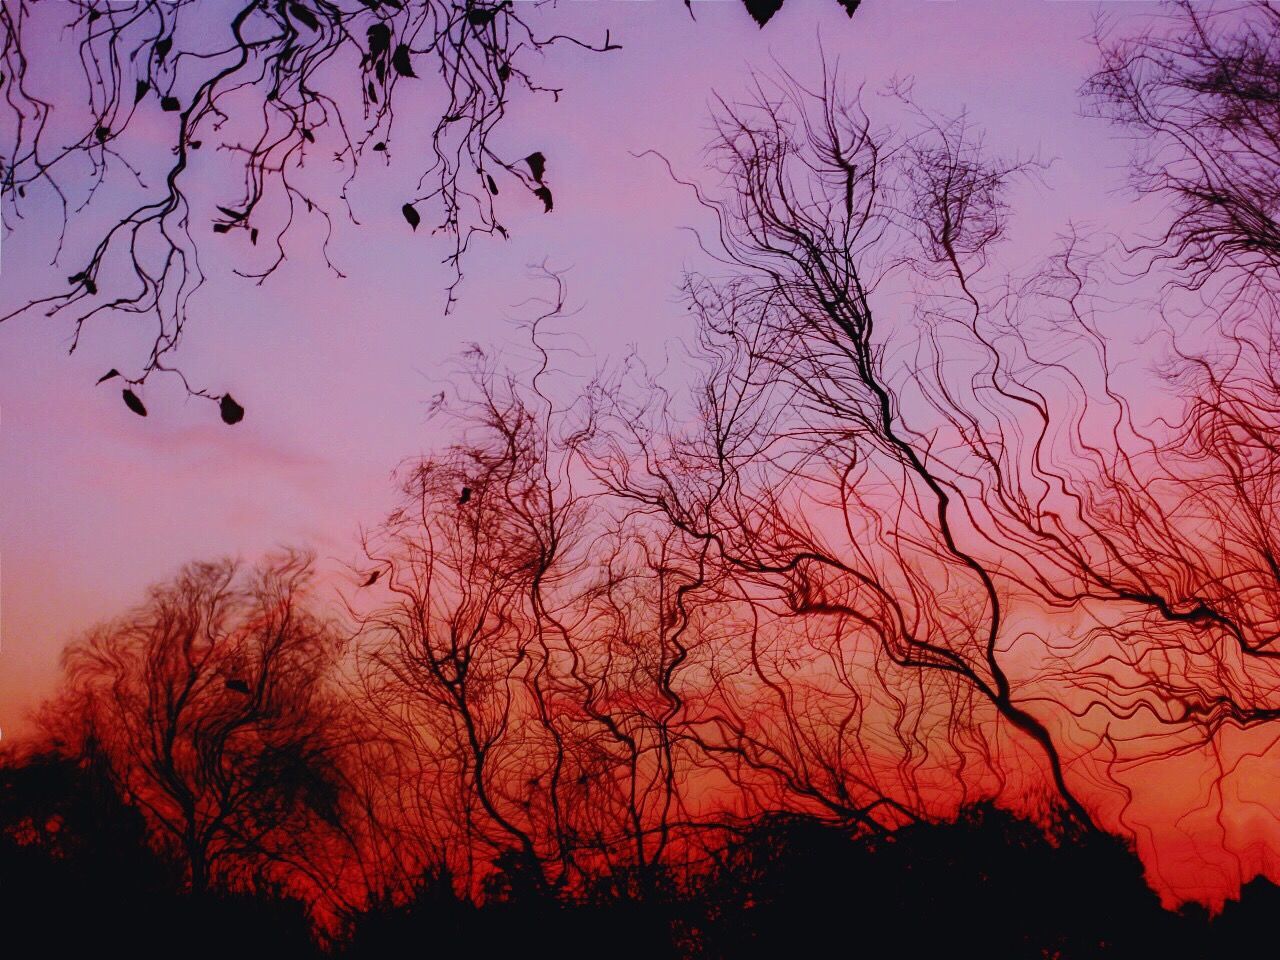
96	503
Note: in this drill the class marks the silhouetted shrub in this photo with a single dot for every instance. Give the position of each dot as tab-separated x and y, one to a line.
77	878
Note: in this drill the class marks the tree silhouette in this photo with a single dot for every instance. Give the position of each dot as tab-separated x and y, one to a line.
740	672
1198	92
814	474
209	705
528	654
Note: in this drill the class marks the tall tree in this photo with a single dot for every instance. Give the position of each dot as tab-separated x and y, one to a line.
210	703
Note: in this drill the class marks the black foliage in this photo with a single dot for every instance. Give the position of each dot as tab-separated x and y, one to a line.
230	411
304	16
77	877
762	11
400	60
133	403
537	165
989	885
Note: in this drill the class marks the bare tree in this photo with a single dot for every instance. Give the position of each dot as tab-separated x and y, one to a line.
210	703
542	651
894	506
1199	93
923	494
821	471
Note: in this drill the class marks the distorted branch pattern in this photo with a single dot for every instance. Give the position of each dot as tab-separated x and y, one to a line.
291	99
893	554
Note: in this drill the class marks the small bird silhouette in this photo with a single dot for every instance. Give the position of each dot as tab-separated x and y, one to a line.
373	578
466	495
238	685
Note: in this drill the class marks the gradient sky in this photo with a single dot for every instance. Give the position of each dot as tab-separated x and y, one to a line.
96	503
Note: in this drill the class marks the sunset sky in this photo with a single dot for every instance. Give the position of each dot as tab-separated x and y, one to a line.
336	374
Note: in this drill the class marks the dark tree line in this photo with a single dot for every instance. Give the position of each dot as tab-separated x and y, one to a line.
79	874
744	672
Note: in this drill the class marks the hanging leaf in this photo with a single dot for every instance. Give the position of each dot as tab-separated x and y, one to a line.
163	46
850	6
372	579
133	403
373	92
233	214
493	186
231	411
308	136
304	16
221	227
253	236
140	91
238	685
379	40
102	133
379	147
481	17
543	194
194	144
762	11
170	104
537	165
504	71
411	215
110	374
400	60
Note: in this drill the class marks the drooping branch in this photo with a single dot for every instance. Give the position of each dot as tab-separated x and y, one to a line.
1199	94
132	99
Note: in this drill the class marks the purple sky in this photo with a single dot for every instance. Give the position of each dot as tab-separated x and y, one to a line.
97	503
